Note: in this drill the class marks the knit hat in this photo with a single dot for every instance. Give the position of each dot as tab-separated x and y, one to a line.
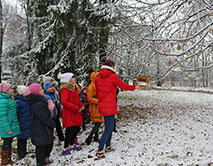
82	88
47	85
4	87
34	88
47	79
20	89
65	77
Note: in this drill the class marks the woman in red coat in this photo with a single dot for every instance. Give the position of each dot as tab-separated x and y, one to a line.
71	113
106	86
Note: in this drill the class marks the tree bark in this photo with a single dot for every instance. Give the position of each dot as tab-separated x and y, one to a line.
103	36
1	38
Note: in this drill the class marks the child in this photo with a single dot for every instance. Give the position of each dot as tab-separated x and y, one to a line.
9	126
71	113
49	91
42	124
94	113
106	85
56	98
24	118
49	94
85	112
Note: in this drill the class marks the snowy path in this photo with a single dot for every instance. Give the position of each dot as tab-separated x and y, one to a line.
155	128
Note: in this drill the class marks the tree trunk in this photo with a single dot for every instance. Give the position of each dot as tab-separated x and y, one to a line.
1	38
29	24
158	71
103	36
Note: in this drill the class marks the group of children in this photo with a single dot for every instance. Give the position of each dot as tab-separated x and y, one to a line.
34	111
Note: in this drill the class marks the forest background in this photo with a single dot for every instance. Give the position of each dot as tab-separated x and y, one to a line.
170	41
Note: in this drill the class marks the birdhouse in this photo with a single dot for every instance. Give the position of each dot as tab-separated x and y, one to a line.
142	82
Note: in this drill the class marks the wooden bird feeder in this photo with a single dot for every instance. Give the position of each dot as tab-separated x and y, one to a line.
142	82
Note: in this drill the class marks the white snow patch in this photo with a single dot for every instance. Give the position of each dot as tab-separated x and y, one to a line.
177	129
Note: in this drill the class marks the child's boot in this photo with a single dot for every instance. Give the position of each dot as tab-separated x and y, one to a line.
4	158
108	149
66	151
76	141
9	156
74	147
88	140
96	138
100	154
48	160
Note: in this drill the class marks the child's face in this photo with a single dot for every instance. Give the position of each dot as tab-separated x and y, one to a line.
10	91
51	81
41	91
85	91
51	89
72	80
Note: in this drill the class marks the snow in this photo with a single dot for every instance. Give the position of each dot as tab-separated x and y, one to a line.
155	127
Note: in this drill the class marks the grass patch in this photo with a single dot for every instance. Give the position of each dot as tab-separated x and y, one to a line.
174	156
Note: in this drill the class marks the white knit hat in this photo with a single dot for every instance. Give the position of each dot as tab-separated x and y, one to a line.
65	77
20	89
47	79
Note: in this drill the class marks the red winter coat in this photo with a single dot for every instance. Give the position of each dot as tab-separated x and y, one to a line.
106	85
71	105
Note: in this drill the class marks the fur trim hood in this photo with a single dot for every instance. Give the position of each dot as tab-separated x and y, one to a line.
69	86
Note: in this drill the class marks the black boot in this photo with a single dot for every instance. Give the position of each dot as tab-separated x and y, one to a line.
88	140
96	138
22	148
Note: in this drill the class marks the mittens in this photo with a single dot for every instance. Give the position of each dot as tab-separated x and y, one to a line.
50	105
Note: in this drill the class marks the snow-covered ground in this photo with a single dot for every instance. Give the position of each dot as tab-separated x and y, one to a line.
155	127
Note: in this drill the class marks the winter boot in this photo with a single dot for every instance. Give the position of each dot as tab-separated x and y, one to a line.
66	151
76	141
9	156
88	140
75	147
100	154
108	149
4	158
96	139
48	160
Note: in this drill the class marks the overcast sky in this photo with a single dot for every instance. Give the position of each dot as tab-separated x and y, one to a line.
13	2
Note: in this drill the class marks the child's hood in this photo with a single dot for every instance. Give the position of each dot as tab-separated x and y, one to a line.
69	86
93	76
36	98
